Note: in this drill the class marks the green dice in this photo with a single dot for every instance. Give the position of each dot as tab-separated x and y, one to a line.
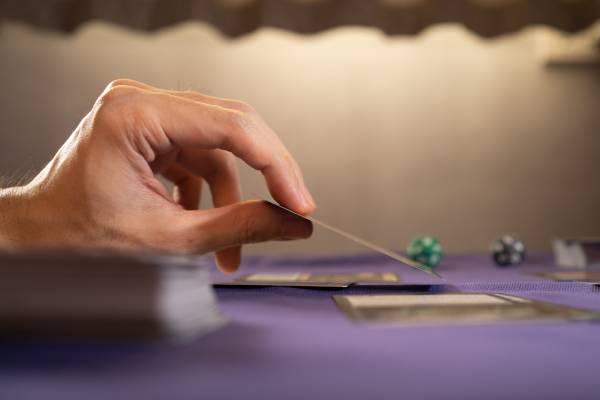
426	250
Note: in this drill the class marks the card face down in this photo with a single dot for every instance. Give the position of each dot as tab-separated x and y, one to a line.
453	308
571	276
305	279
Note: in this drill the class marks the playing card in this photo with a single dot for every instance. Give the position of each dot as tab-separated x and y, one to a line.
572	276
305	279
363	242
453	308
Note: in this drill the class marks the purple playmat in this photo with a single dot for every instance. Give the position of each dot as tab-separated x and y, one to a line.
293	343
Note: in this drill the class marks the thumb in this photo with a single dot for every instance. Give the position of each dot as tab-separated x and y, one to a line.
245	222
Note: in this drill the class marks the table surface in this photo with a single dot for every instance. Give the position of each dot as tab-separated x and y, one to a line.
294	343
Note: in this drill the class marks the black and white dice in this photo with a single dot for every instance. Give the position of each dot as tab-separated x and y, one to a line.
507	251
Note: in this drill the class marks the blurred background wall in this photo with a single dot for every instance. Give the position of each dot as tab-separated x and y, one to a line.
444	133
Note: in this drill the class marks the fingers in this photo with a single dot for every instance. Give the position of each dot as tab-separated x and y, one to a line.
219	169
192	124
196	121
216	167
188	187
241	223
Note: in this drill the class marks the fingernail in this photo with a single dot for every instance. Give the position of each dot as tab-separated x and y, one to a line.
309	199
295	228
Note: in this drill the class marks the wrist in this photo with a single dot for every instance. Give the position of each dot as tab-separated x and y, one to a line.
27	221
13	204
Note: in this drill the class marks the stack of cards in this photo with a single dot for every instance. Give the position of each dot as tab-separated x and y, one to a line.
453	308
105	295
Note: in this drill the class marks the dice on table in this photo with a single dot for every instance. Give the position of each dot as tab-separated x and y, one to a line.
426	250
506	251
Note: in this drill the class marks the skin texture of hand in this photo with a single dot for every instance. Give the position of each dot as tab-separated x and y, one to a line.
101	189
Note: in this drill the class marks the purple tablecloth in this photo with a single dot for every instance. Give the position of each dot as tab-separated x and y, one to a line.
295	344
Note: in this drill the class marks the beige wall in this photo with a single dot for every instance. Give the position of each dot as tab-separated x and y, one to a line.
444	134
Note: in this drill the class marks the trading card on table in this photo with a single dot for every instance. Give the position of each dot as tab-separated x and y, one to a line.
571	276
305	279
453	308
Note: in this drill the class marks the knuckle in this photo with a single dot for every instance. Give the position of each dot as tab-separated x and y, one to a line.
247	230
117	82
116	93
239	122
251	232
120	105
116	103
235	120
243	107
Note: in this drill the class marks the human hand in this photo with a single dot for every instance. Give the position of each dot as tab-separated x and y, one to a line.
101	189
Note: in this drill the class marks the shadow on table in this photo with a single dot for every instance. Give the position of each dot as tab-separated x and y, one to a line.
98	354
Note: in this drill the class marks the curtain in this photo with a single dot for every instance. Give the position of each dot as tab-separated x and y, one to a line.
487	18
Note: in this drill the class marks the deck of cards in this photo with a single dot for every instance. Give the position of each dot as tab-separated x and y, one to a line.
105	295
